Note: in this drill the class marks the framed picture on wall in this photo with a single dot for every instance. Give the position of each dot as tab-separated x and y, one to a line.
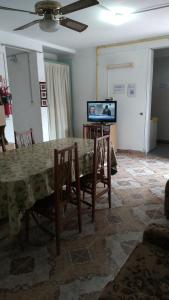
119	88
131	90
43	95
42	85
44	102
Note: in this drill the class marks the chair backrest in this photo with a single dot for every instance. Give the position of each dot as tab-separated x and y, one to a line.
91	131
101	158
24	139
66	169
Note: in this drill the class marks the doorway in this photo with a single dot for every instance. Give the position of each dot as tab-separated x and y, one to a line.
24	86
159	133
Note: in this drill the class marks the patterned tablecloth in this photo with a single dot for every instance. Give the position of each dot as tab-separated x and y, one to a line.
26	175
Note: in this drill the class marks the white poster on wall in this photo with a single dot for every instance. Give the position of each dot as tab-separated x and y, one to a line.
119	89
131	90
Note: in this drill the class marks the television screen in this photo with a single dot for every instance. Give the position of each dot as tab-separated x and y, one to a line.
101	111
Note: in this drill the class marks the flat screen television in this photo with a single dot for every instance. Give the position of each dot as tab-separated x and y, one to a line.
101	111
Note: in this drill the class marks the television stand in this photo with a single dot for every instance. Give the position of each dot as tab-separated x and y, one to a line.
106	129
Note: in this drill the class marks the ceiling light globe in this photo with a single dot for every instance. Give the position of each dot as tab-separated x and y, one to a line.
48	25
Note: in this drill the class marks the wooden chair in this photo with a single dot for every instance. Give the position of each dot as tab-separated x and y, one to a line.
91	131
23	139
54	206
101	173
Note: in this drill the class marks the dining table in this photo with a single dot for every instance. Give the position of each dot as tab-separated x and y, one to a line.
26	175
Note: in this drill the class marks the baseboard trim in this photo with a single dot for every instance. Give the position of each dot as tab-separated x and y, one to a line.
131	152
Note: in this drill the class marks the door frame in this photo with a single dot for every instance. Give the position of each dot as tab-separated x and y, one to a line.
147	129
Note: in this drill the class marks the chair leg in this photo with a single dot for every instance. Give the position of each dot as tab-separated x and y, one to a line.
2	143
79	215
57	231
93	206
109	197
27	225
57	243
57	227
109	192
79	220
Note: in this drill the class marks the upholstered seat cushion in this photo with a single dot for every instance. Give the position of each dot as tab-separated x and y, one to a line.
157	234
145	275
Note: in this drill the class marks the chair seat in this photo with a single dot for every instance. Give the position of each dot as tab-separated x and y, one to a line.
86	181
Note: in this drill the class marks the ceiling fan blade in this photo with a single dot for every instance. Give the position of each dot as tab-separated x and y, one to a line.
150	8
81	4
72	24
15	9
27	25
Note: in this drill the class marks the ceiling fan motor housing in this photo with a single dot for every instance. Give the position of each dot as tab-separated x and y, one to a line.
50	6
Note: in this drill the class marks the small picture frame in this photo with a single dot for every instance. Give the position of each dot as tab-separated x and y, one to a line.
131	90
42	85
44	102
43	94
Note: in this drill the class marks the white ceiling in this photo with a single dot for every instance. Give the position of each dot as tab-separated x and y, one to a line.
99	32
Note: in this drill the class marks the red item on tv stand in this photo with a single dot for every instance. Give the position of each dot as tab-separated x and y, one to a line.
8	109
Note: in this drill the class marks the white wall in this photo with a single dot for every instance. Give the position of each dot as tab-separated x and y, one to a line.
160	96
84	86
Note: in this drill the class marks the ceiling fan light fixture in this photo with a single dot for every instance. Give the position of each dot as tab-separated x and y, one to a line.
117	15
48	25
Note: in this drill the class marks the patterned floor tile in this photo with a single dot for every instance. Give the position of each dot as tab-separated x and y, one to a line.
121	245
19	267
140	171
125	183
158	191
80	256
93	296
22	265
149	213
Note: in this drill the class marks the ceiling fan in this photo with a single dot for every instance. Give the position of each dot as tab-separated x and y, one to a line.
53	14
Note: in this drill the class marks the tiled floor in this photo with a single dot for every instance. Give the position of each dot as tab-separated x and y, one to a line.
90	259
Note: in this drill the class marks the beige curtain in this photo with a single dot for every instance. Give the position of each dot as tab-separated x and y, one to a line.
59	98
